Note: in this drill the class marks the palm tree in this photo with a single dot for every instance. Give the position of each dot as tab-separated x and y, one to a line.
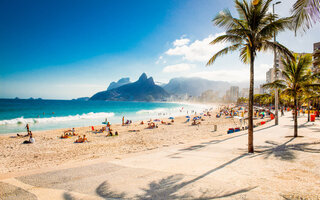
297	80
305	13
252	32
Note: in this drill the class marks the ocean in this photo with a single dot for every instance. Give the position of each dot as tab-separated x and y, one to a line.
55	114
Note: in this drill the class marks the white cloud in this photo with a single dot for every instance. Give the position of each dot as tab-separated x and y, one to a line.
177	68
181	42
197	51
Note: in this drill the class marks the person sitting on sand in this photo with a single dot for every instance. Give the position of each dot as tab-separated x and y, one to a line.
116	133
73	132
84	139
65	135
110	133
142	123
30	141
151	125
195	122
79	140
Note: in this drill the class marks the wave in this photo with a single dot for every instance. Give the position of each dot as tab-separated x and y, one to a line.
22	120
158	110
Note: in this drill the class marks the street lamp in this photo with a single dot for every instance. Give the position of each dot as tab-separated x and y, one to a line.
276	95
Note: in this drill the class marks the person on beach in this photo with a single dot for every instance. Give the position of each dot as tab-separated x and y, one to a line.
79	140
123	121
84	139
73	131
27	126
31	140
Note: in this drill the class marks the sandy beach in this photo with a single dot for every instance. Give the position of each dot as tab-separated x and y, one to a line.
177	161
49	150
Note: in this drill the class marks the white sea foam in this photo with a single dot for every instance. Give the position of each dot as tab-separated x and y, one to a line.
158	110
90	115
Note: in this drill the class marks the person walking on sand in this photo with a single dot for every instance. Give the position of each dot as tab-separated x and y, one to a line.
123	121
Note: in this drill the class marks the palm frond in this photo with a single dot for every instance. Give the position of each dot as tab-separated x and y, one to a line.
223	52
305	12
277	84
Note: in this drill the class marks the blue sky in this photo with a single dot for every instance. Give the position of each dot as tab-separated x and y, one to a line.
72	48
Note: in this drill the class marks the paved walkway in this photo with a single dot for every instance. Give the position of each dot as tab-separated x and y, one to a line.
218	168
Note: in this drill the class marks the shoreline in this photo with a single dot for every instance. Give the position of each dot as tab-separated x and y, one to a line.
116	119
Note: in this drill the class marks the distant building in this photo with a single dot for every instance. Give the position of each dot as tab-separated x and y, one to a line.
270	75
244	92
234	93
256	91
316	46
262	90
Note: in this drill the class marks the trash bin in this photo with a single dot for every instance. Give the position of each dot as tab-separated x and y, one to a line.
312	118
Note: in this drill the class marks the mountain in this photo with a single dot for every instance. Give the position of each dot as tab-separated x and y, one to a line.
120	82
144	89
194	86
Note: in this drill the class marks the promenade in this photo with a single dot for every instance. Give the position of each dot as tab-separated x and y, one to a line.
282	167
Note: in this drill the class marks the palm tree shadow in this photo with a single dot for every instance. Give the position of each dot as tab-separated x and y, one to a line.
164	189
285	151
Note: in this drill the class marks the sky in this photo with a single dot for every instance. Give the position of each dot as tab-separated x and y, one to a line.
64	49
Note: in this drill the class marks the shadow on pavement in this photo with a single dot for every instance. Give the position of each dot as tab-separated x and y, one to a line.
168	187
10	192
205	144
284	151
165	188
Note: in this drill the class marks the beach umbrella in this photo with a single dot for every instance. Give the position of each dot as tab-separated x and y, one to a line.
187	116
171	117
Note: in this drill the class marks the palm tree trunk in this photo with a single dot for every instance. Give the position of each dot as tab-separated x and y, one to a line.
250	111
309	111
295	117
318	106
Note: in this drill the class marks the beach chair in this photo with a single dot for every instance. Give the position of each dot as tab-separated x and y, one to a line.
188	120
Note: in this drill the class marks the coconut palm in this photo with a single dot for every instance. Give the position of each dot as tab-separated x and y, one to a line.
250	33
298	80
305	13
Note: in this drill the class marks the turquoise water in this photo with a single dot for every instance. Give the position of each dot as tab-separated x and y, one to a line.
53	114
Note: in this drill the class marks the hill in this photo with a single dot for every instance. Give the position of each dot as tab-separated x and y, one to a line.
120	82
144	89
194	86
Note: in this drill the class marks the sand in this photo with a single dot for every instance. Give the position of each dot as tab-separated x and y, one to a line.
170	162
49	150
